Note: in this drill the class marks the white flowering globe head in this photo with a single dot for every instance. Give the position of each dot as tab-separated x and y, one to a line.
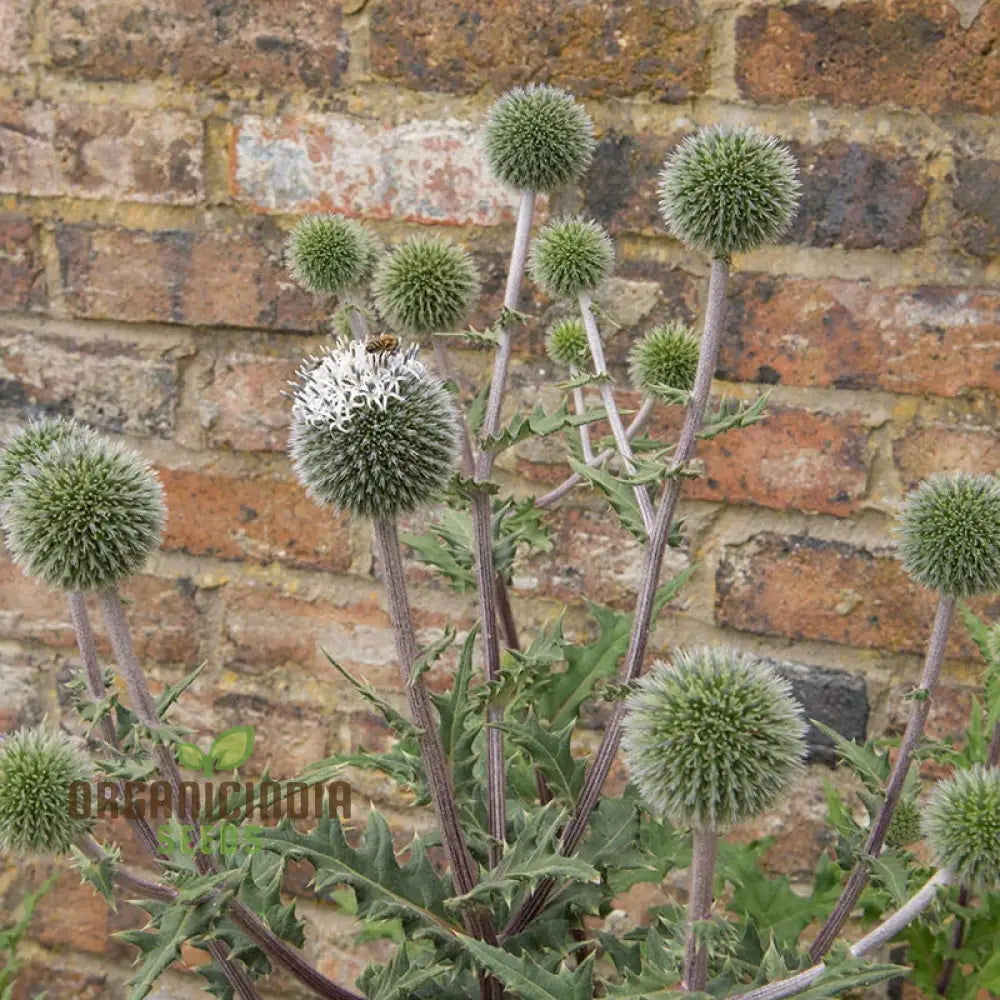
373	434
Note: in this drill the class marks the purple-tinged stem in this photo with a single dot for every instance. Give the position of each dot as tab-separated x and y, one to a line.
704	844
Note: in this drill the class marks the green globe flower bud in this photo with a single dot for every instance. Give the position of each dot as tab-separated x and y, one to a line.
37	768
905	826
665	358
726	190
24	447
566	344
425	285
571	256
962	823
950	534
538	138
86	516
713	738
330	253
374	434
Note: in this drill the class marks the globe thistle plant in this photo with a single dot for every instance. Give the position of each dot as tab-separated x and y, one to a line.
329	254
86	516
571	256
566	343
727	190
962	823
905	826
713	738
372	434
425	285
665	358
538	138
950	534
25	446
37	768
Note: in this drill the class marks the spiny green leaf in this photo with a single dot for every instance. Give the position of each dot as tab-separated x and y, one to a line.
729	416
540	424
101	873
400	978
397	721
172	693
865	761
550	753
526	979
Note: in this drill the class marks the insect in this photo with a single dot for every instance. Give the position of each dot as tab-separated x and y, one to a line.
384	343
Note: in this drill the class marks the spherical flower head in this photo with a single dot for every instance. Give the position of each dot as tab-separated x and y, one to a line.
425	285
962	823
665	358
375	435
571	256
566	344
905	825
726	190
37	768
538	138
330	253
950	534
26	445
713	738
86	516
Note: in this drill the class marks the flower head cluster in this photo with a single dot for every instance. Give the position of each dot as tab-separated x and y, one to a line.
86	515
713	738
330	253
905	825
27	445
950	534
726	190
538	138
566	343
571	256
37	768
372	434
665	358
962	823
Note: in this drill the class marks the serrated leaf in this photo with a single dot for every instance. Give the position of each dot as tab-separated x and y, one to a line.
400	978
854	975
101	873
865	761
540	424
526	979
432	654
232	748
172	693
395	719
549	752
730	417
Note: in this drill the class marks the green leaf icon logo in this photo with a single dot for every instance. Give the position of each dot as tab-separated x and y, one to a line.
188	755
232	748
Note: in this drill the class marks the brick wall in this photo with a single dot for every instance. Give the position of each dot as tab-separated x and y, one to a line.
154	155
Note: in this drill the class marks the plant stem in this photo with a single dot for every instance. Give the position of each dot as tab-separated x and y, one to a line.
447	371
652	562
355	316
580	405
611	407
920	706
638	422
703	848
885	931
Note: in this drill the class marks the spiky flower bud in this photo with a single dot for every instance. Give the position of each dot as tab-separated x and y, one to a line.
905	826
372	434
571	256
86	515
712	738
330	253
425	285
37	768
538	138
665	358
950	534
962	823
566	343
726	190
26	445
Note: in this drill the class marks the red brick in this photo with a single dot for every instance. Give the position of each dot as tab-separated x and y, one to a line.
259	518
592	49
100	151
43	979
852	335
221	278
31	610
422	171
20	699
72	914
977	202
915	54
15	35
925	449
118	385
800	587
22	279
268	43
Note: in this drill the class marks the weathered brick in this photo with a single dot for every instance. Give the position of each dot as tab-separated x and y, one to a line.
925	449
915	54
20	699
977	201
800	587
22	279
15	35
38	979
853	195
423	170
72	914
261	43
852	335
118	385
226	277
30	610
100	151
253	517
592	49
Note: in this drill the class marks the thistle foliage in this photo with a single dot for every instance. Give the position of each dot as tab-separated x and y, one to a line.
666	357
571	256
566	343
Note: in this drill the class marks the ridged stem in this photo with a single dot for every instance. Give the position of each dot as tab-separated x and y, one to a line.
704	844
580	405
